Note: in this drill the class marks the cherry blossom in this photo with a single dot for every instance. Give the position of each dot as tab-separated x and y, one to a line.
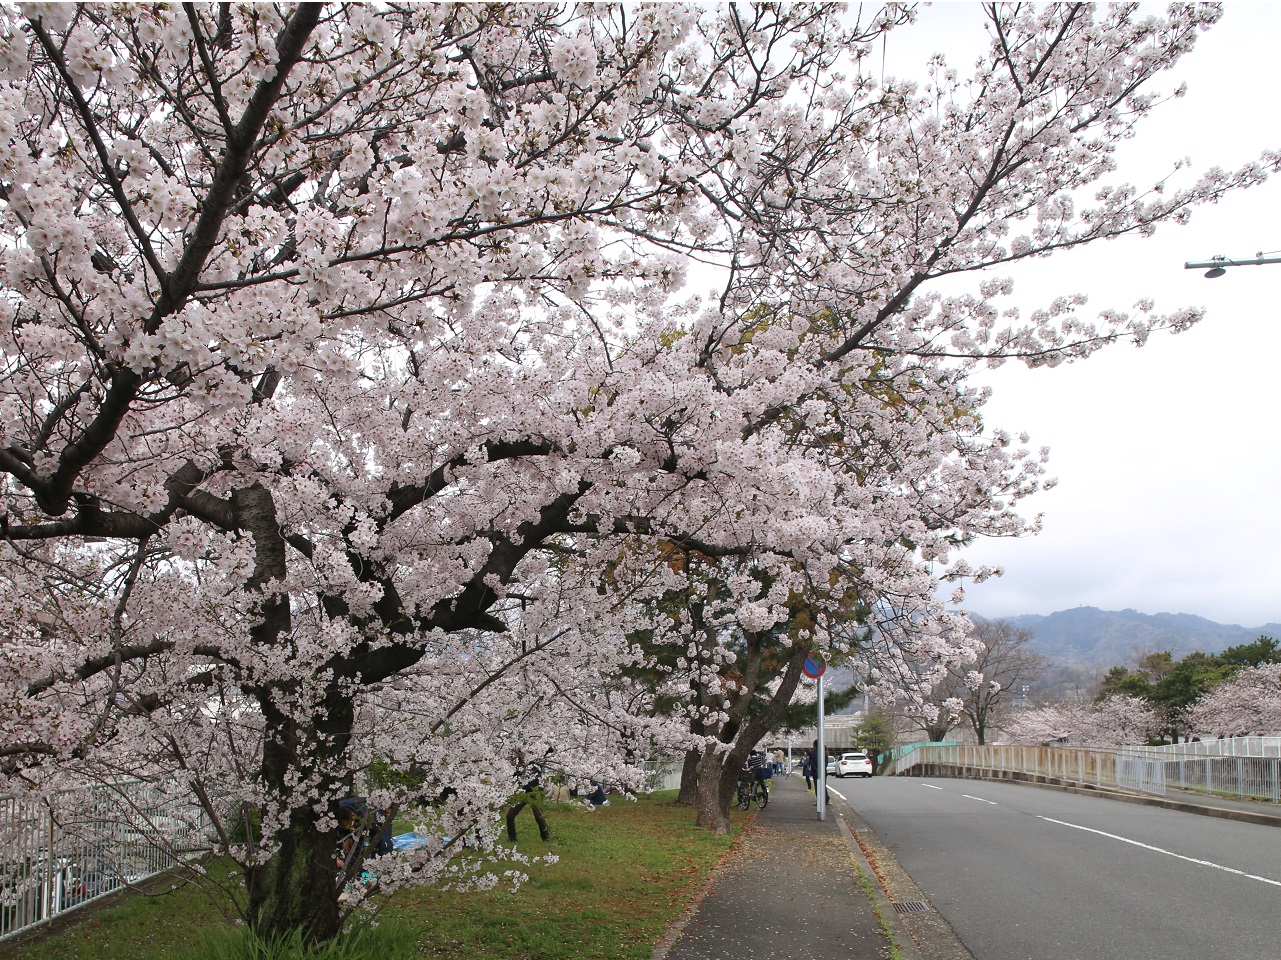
1116	721
1249	703
357	374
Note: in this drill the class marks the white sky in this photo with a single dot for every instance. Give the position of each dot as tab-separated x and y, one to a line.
1168	456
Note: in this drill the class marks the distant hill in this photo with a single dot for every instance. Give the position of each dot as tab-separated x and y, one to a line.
1088	635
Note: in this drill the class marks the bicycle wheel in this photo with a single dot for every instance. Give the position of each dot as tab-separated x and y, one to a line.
762	796
744	796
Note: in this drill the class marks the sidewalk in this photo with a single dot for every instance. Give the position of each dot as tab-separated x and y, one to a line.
789	890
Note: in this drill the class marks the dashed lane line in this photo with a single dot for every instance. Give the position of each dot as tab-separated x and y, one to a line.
980	799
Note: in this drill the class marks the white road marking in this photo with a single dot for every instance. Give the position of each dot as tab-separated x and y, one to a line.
838	793
931	786
979	799
1168	853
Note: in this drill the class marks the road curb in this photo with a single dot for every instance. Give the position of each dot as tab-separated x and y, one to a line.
903	938
924	935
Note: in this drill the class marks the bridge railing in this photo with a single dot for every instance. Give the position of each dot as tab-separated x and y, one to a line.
1148	770
1092	765
68	849
1225	747
1235	777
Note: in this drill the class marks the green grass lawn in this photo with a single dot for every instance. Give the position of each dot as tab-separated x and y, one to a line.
625	872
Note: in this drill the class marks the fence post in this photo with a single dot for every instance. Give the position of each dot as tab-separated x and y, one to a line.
48	875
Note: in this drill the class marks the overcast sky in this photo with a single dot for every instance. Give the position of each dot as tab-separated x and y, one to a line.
1167	457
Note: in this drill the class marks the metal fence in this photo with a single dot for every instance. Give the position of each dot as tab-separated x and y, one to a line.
905	748
1226	747
1243	778
662	775
1093	765
1225	772
77	845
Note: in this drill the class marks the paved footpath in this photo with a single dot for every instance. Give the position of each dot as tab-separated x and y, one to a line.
790	889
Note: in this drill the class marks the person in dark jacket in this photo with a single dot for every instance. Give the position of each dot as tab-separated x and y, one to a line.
358	824
531	792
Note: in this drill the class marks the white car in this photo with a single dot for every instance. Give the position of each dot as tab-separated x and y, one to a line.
831	765
854	764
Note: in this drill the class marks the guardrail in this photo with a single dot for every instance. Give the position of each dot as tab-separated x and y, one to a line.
1226	747
1142	769
1085	765
75	846
1245	778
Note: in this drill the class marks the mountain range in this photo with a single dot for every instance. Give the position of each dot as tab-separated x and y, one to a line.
1088	635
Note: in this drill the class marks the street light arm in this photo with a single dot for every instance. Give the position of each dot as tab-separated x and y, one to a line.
1219	262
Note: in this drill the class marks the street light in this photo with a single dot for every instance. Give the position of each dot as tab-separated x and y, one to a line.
1217	265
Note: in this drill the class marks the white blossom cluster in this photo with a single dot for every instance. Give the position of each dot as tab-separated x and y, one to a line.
347	359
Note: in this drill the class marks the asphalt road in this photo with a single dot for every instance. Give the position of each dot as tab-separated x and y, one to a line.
1022	873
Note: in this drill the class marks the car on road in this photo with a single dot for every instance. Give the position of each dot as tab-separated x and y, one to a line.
831	764
854	765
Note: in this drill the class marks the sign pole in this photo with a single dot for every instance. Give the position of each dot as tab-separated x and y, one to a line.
814	667
820	759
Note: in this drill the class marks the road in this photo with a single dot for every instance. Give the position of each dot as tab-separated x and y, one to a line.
1028	874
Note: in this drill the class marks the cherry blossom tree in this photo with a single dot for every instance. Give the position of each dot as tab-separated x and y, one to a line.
739	682
1117	720
1249	703
343	347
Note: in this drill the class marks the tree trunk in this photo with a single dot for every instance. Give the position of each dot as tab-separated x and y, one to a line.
689	778
718	769
936	733
297	888
716	782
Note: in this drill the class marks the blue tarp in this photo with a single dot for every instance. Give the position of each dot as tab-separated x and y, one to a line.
408	841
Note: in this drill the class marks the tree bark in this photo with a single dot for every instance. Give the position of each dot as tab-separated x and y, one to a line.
689	778
297	887
718	769
716	782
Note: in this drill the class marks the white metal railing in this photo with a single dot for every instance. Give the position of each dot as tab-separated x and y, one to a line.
81	844
1225	773
1227	747
662	775
1245	778
1096	765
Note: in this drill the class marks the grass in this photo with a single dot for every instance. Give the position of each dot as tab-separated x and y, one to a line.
625	872
887	928
383	942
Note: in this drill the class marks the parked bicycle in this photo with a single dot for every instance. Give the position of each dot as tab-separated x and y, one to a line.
751	790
